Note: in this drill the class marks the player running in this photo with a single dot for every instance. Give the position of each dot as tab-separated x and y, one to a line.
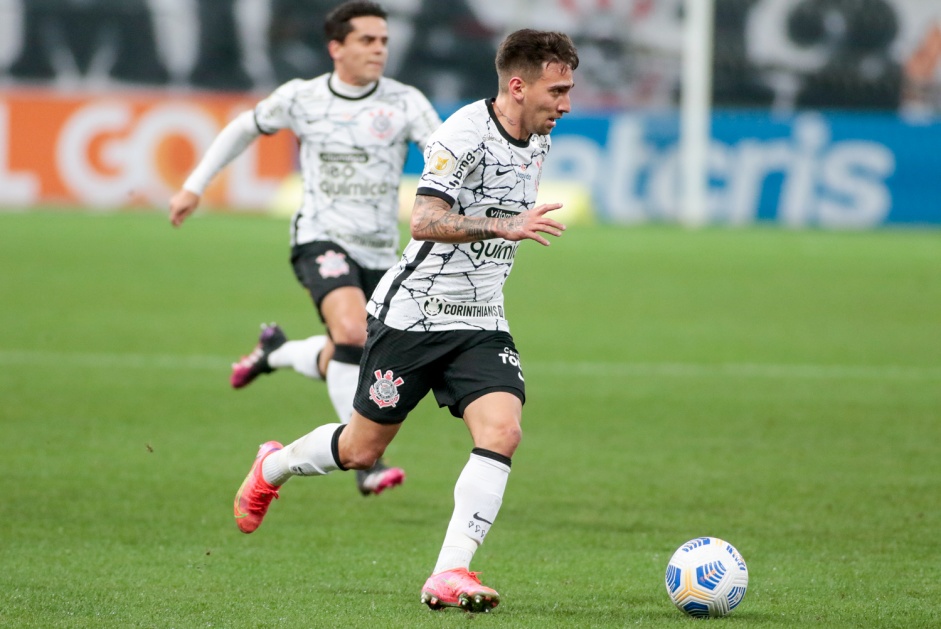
437	321
354	127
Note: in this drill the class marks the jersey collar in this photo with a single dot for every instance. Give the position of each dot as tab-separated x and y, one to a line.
506	136
349	92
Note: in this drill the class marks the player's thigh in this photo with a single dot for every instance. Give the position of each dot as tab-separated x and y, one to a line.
396	371
485	362
323	267
343	310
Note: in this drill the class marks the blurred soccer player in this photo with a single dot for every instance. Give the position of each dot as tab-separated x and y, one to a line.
354	126
436	319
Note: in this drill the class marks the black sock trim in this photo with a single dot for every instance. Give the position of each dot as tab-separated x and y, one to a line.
351	354
317	365
335	447
490	454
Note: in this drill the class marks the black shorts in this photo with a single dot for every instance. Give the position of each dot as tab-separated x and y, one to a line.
323	266
398	368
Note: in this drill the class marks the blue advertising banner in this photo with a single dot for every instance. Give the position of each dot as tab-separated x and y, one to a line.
830	170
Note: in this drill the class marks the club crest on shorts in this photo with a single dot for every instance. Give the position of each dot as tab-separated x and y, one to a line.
385	390
332	264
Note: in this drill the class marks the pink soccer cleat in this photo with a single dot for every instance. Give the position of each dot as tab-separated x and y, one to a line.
378	478
458	588
255	494
256	363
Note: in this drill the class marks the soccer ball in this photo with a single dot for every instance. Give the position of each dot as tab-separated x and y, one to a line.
706	577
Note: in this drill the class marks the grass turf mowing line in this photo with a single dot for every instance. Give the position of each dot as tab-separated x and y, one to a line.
16	358
120	479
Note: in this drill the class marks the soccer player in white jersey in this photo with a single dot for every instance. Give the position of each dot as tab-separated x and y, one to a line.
436	319
354	127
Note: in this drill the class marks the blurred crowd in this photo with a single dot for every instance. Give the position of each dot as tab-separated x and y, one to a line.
780	54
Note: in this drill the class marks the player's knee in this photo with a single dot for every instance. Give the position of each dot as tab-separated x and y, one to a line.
512	436
503	438
348	332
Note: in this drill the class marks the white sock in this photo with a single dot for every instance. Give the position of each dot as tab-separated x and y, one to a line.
311	455
342	379
478	495
301	356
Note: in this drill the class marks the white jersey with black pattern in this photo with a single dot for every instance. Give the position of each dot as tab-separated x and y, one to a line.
352	151
472	163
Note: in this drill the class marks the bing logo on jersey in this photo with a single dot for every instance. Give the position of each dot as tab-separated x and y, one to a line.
385	390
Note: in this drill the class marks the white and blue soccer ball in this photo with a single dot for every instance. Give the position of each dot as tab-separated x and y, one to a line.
706	577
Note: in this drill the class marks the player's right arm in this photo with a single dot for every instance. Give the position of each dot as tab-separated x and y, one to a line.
432	219
229	144
268	117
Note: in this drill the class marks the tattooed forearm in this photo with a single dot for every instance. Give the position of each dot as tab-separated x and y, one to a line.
432	219
513	223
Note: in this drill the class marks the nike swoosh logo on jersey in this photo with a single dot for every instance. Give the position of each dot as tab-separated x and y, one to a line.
477	517
500	173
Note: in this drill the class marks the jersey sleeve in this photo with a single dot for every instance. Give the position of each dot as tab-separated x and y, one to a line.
274	113
424	119
452	153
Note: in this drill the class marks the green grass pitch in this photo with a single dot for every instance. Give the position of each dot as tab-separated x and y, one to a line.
779	389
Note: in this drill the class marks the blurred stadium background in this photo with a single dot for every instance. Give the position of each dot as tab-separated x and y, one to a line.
822	112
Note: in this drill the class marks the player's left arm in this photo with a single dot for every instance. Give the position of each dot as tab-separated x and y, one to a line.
432	219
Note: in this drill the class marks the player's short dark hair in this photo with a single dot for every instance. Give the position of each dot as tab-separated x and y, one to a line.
337	25
525	53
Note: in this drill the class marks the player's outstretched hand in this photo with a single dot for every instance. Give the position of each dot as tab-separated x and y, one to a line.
528	224
182	205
